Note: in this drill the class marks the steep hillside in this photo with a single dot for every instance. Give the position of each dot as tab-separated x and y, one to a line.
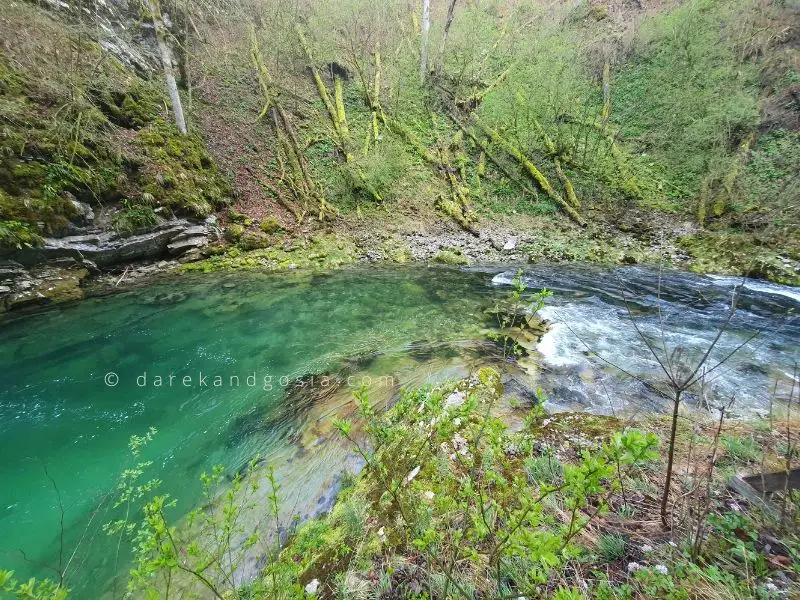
92	171
668	127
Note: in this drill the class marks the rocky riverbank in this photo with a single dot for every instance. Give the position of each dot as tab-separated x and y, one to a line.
96	261
61	269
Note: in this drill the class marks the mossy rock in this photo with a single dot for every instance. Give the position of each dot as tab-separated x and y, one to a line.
253	240
179	172
127	101
450	257
323	252
27	175
234	216
736	253
234	232
53	151
270	225
396	251
53	285
48	206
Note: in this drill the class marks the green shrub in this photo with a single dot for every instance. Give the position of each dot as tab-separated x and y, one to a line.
32	589
381	167
16	234
234	232
134	218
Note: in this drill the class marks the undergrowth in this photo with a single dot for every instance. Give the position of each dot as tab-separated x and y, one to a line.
452	504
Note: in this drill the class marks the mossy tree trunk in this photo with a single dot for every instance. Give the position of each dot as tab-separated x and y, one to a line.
606	114
451	10
532	171
569	190
295	172
338	117
630	184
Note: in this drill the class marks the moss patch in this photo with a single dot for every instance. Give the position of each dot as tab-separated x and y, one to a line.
180	173
451	256
737	253
321	252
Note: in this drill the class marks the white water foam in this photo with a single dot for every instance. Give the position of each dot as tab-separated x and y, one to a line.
505	278
758	286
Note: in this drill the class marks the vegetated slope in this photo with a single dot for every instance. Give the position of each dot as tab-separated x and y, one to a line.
677	120
452	502
605	131
82	125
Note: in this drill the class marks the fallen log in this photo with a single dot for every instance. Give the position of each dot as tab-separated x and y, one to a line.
531	169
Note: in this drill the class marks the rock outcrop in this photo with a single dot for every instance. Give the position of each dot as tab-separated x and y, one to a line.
57	270
44	284
106	248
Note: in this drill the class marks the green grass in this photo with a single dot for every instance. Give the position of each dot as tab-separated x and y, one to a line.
611	547
740	449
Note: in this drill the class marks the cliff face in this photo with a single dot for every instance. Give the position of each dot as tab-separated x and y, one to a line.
92	170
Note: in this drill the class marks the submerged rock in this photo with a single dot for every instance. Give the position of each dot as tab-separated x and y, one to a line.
165	299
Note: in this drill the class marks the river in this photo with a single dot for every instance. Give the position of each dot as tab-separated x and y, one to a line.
219	365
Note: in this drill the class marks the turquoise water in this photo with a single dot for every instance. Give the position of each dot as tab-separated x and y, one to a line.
58	413
78	381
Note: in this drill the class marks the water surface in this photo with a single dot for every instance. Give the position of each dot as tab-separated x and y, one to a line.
78	381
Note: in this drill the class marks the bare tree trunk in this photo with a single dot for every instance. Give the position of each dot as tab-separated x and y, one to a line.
447	24
665	520
166	62
606	92
188	80
426	25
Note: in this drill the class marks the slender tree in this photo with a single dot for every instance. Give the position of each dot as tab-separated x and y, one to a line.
451	10
166	63
426	25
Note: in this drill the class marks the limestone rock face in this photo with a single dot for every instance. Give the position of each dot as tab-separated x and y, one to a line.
117	28
191	238
106	248
55	272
